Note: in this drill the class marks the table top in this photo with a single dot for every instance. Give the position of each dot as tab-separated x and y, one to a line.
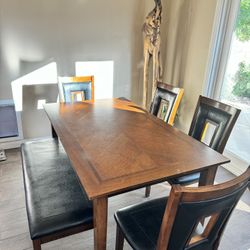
115	146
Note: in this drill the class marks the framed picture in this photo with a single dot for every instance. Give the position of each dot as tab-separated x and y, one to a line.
164	110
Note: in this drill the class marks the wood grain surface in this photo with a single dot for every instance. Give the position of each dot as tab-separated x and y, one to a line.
115	146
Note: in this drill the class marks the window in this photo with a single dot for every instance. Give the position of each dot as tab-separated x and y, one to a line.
228	77
236	83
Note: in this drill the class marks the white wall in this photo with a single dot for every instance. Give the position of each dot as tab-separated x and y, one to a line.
34	120
33	33
36	32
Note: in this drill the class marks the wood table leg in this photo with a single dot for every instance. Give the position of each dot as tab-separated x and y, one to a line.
207	176
100	222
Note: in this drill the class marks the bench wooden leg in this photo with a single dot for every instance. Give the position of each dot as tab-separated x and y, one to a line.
147	191
119	239
37	245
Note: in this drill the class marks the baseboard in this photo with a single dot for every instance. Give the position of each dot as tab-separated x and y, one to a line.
11	144
17	143
237	166
2	155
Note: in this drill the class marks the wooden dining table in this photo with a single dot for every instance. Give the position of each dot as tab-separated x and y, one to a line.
115	146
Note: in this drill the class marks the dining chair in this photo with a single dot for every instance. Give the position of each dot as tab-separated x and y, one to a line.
166	101
173	222
212	124
76	88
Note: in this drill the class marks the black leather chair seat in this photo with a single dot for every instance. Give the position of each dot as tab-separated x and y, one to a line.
185	180
55	200
141	223
124	99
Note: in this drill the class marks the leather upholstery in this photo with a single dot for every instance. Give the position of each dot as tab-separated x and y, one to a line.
215	115
141	223
55	200
124	99
78	86
219	117
185	180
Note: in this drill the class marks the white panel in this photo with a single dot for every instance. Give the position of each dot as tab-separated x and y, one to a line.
103	76
44	75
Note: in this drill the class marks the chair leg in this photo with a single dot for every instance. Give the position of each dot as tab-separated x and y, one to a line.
37	245
119	239
147	191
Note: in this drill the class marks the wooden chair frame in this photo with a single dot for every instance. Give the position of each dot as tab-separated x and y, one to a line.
188	194
234	112
178	92
38	242
181	194
75	79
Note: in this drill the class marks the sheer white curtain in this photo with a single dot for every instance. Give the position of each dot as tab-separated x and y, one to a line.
224	23
237	150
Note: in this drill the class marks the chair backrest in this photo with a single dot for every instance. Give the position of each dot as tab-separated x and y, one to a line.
166	102
187	206
213	122
75	89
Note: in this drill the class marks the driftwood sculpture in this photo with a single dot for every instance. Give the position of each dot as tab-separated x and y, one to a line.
152	41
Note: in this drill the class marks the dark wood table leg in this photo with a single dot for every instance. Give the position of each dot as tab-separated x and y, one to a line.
207	176
54	134
100	222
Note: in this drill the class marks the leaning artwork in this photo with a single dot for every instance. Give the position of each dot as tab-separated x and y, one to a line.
152	41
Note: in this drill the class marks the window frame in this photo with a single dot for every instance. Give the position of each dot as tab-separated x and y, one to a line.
226	14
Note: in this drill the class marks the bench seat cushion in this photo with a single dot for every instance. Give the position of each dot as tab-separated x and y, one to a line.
55	199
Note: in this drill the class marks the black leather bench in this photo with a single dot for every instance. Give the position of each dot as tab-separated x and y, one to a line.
56	204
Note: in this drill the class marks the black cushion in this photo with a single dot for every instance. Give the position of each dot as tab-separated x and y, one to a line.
124	99
218	117
141	223
185	180
55	200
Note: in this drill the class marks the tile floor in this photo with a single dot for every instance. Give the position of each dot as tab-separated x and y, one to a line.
14	232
